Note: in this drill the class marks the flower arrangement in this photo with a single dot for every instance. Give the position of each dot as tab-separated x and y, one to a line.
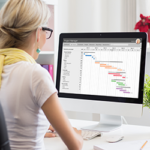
146	94
144	25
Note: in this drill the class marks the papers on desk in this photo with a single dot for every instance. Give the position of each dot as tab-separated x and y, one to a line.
134	145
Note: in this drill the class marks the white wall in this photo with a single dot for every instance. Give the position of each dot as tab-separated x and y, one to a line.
96	15
143	7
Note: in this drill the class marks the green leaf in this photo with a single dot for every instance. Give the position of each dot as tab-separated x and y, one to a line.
146	92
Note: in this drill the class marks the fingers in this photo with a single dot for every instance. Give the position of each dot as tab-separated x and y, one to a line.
77	131
48	135
51	128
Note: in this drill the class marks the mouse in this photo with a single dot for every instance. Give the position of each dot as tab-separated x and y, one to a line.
113	139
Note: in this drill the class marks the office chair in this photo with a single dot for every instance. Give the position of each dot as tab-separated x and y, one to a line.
4	141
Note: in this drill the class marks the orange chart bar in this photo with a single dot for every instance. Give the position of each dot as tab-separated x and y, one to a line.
107	66
119	69
110	68
103	65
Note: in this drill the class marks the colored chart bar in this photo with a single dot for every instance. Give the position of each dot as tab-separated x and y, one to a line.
88	55
113	80
103	65
117	75
120	82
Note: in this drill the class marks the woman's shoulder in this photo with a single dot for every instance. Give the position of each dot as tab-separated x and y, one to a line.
28	68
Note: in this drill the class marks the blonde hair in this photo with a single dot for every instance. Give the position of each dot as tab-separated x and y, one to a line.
18	19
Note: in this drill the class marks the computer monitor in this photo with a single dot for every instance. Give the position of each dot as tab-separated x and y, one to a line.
102	73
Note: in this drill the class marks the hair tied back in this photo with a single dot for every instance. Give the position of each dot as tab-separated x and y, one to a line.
2	30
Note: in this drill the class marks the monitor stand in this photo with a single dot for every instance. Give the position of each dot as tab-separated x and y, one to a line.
107	123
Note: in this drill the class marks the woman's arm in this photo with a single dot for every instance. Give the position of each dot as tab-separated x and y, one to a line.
61	124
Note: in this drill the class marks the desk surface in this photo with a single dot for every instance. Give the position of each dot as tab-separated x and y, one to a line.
131	133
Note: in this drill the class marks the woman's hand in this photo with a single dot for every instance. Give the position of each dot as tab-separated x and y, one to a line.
77	131
50	134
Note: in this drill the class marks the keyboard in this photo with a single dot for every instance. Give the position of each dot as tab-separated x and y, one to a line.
86	134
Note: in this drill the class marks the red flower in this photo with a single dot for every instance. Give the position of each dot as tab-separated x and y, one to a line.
144	24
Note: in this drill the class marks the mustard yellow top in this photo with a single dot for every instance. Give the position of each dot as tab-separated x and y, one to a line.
13	55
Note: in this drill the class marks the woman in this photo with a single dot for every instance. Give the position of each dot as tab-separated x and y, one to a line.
27	93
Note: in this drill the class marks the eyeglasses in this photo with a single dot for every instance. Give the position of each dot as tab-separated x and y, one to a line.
48	32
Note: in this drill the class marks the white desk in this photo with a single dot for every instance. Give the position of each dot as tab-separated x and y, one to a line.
131	133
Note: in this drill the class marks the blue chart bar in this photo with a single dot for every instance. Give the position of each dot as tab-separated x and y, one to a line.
89	56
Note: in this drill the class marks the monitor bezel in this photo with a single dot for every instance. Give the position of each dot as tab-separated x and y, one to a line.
141	35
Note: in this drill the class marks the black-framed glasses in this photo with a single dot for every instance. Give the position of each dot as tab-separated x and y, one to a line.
48	32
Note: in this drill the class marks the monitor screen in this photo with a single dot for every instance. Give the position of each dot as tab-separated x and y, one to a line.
101	68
